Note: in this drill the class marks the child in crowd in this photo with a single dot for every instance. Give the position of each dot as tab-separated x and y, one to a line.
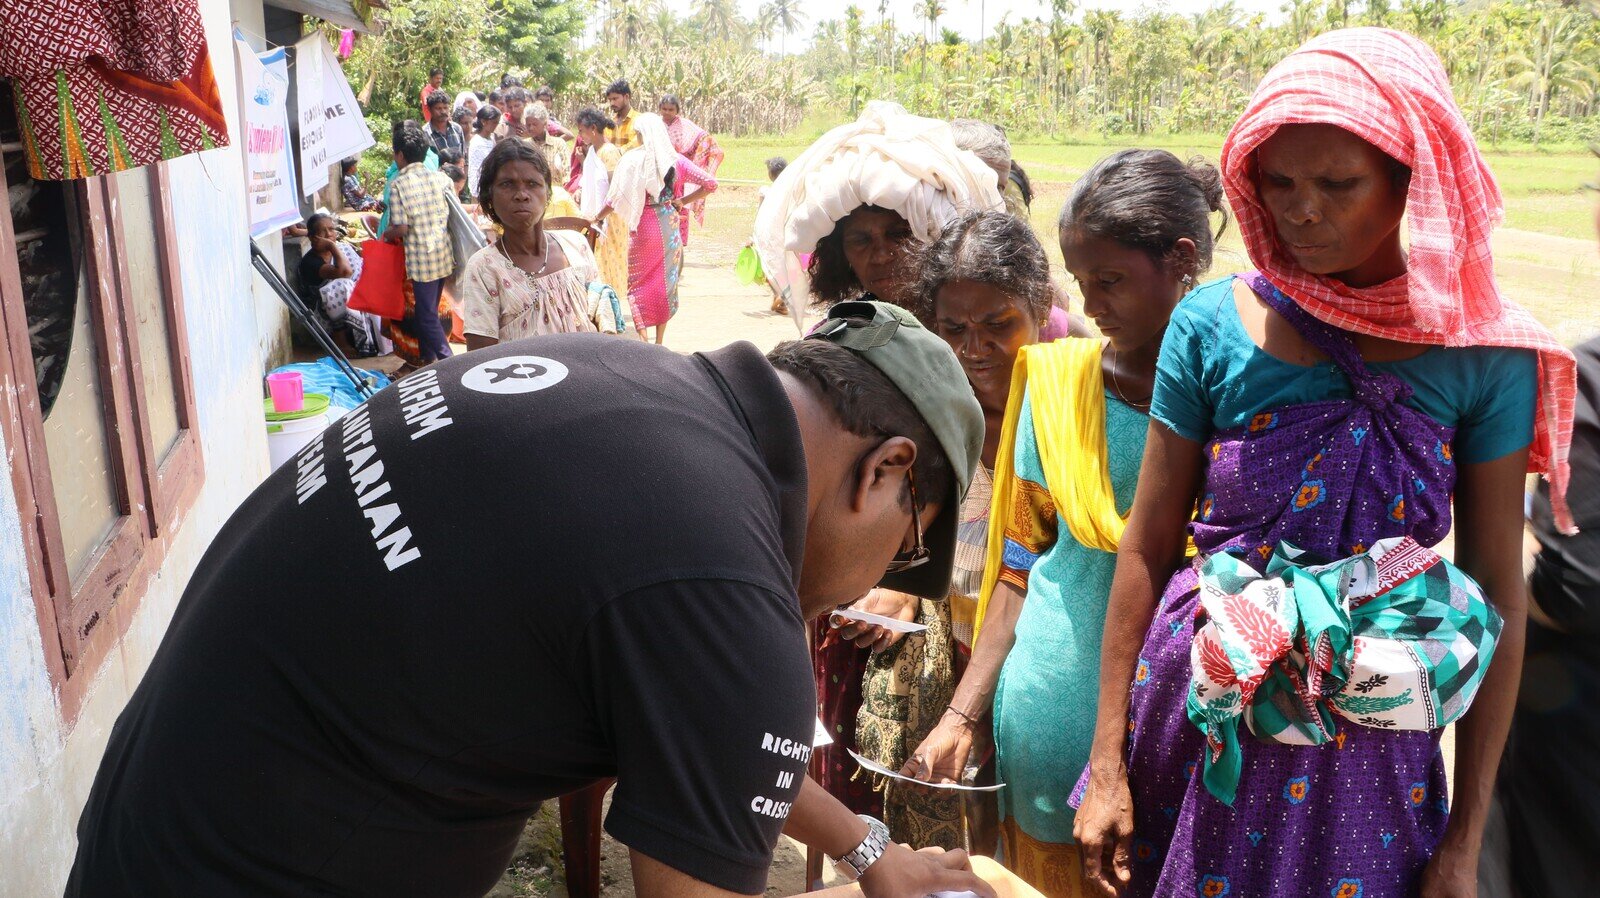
356	198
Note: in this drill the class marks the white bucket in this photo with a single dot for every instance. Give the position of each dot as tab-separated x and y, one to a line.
285	438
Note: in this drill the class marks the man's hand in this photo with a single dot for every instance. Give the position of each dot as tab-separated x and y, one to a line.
903	873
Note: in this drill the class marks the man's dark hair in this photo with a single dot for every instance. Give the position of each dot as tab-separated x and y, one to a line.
437	98
619	86
517	94
504	153
434	73
495	98
590	117
411	143
868	404
1149	200
775	167
545	91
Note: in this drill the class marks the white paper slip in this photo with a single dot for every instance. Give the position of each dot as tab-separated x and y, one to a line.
891	624
877	768
821	737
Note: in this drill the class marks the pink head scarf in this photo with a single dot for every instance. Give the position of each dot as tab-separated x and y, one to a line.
1390	90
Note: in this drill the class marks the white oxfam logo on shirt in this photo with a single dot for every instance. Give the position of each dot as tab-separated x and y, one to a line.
515	374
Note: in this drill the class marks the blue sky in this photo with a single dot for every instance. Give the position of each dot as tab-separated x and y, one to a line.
964	14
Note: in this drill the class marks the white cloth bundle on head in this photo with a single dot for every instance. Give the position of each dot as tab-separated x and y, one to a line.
642	173
461	100
886	158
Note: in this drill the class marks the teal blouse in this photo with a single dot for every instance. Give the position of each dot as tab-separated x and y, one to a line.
1211	376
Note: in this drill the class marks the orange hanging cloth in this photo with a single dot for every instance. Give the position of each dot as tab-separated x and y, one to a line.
106	85
1389	89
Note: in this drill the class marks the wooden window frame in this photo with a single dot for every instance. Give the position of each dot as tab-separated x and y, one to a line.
82	621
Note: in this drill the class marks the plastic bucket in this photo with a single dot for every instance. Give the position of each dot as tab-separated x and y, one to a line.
288	391
289	432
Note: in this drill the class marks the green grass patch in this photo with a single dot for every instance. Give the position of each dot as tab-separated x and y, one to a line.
1543	188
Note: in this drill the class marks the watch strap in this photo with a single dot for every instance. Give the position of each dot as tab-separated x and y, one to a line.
864	855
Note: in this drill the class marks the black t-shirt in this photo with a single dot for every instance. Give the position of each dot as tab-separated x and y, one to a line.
1566	574
512	574
311	279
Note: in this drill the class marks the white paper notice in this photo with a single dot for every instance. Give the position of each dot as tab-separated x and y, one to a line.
877	768
309	72
821	737
891	624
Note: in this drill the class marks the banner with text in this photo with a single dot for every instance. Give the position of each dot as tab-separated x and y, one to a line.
345	129
268	162
309	72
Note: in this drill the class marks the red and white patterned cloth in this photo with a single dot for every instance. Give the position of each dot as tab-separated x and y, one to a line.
105	85
1390	89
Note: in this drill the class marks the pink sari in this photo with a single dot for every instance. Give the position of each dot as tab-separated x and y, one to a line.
698	146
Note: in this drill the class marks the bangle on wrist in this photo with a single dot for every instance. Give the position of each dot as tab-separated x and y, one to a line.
967	718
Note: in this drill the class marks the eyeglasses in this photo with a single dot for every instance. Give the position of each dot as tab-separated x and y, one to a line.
919	553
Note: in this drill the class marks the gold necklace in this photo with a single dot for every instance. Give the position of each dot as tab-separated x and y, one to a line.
1116	386
514	264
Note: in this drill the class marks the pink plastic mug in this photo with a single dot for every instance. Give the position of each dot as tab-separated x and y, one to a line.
288	391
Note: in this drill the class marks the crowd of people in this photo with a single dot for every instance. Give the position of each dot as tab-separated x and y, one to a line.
1173	580
617	193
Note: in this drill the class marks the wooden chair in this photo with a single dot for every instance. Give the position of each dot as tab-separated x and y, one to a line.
580	835
574	223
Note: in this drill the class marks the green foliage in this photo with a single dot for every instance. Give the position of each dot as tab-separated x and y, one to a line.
474	41
535	38
1523	70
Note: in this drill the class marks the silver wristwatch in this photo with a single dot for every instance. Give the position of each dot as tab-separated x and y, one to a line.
855	863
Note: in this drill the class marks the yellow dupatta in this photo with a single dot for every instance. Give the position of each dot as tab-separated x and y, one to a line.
1069	425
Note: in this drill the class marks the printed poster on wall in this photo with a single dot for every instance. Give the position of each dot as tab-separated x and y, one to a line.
268	162
345	131
309	73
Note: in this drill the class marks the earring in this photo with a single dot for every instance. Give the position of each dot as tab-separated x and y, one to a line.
1188	282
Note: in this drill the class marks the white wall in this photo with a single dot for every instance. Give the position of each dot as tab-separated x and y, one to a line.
45	772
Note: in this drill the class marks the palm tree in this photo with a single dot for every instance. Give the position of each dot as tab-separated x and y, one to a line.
786	15
1552	65
666	25
930	10
718	17
887	28
1302	19
853	17
766	22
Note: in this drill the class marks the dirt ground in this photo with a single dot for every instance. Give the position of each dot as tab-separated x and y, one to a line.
536	865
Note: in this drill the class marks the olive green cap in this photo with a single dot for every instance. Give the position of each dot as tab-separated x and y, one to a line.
921	365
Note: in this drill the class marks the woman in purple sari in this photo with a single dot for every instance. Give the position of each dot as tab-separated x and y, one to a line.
1302	404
